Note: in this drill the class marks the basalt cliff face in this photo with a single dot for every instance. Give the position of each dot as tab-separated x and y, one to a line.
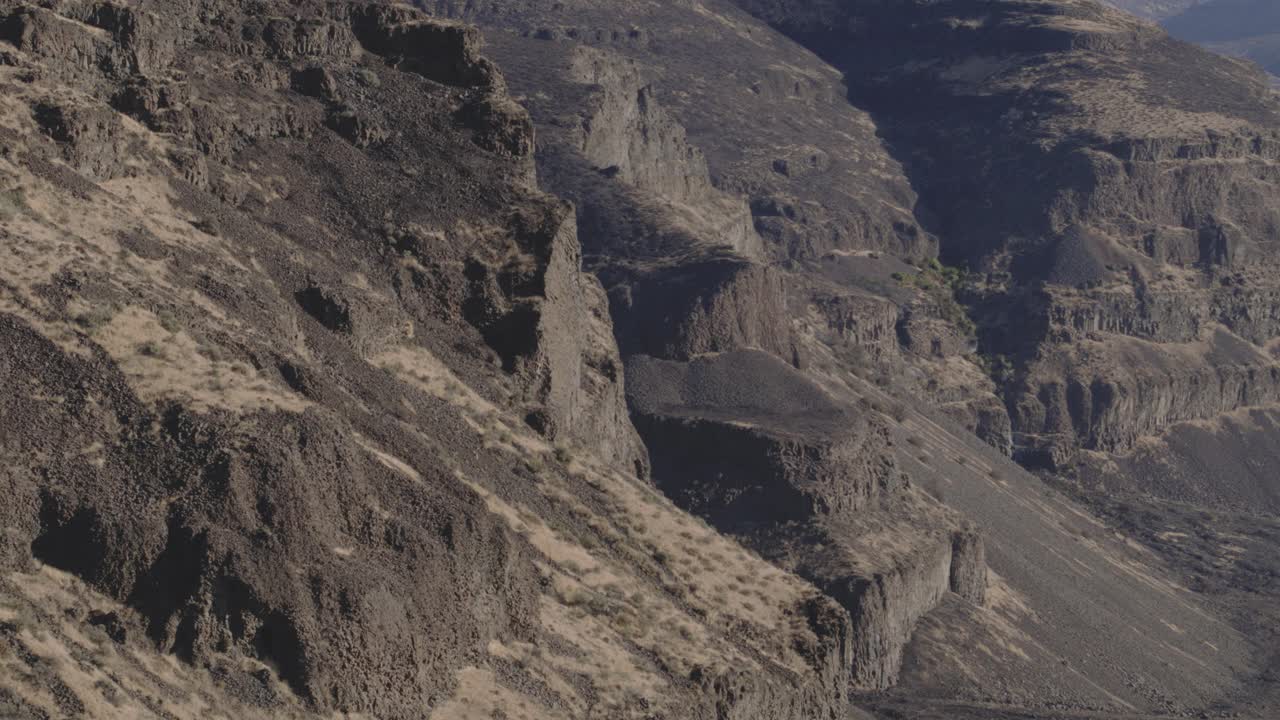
590	359
1111	186
305	386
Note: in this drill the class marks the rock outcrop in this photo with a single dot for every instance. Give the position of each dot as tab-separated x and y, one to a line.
766	455
712	305
306	363
627	134
309	358
1124	213
777	133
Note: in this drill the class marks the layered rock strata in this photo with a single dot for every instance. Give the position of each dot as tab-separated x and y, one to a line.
749	443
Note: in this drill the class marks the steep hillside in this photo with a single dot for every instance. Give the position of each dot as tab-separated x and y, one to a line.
1110	185
1244	28
1155	9
1247	29
305	383
668	361
725	337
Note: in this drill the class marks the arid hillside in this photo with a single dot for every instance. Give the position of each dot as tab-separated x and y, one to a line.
1248	29
305	385
1244	28
588	359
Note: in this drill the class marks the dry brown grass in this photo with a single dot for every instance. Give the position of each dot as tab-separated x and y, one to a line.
643	589
160	364
118	681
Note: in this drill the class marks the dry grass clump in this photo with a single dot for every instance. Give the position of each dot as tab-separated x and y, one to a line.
151	348
62	658
95	317
13	202
898	410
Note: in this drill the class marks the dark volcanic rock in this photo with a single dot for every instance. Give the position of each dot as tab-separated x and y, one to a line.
312	382
840	189
313	387
191	522
763	453
234	514
1083	150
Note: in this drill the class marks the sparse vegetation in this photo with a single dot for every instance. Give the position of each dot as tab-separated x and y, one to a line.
95	318
898	410
13	202
942	284
97	635
152	349
170	322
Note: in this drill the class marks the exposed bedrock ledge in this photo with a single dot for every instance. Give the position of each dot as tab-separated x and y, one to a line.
733	473
546	319
1244	305
1222	201
712	305
752	445
626	134
1250	309
1215	146
740	695
1117	392
984	414
887	603
1121	362
628	131
1176	316
573	370
863	321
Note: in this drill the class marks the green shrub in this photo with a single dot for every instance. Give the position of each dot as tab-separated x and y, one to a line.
941	283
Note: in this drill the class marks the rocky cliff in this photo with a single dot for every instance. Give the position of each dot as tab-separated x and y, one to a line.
1104	186
1062	222
766	455
677	353
306	363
